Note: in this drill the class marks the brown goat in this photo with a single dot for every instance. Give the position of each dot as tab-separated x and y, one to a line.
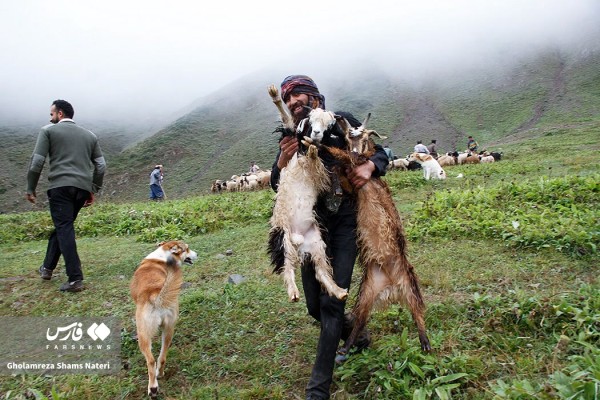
388	276
472	158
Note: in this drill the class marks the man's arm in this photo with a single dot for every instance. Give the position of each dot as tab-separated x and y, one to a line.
380	160
375	167
287	148
99	168
36	164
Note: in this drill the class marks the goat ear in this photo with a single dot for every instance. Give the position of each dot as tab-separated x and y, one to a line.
342	122
300	127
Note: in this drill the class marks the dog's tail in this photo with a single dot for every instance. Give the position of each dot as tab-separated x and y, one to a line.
170	289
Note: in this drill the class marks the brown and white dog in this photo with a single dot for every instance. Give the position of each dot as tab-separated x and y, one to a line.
155	290
431	168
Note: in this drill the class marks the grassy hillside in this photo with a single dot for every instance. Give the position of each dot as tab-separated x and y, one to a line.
232	127
512	311
221	137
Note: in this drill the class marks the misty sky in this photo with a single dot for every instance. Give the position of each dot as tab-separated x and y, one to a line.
141	59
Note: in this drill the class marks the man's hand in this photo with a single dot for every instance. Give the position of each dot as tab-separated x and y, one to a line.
361	174
30	197
289	147
89	201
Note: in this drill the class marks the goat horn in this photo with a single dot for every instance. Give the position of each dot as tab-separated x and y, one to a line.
364	124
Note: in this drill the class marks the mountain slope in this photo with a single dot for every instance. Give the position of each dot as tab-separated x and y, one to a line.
234	126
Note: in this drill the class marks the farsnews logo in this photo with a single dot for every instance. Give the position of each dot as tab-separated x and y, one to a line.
60	345
96	331
75	333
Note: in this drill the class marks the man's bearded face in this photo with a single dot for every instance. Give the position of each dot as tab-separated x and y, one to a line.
297	103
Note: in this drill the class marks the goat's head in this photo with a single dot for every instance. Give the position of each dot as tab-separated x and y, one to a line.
320	122
359	138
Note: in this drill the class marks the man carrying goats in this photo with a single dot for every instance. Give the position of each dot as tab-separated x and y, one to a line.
338	216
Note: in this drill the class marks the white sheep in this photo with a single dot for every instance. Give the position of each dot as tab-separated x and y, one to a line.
400	163
462	158
446	160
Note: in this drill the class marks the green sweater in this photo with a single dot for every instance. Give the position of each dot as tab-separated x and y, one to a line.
75	158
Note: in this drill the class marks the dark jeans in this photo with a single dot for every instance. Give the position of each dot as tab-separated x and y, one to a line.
65	203
156	192
341	248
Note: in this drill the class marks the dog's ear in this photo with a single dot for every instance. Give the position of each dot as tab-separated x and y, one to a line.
160	244
176	249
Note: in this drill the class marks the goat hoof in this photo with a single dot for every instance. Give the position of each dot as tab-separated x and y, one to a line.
425	346
340	358
273	92
312	152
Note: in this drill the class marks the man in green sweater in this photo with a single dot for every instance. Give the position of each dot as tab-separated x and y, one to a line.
77	169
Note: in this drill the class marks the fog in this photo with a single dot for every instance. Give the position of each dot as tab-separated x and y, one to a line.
146	60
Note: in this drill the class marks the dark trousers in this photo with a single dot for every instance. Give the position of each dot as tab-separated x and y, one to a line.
341	248
156	192
65	203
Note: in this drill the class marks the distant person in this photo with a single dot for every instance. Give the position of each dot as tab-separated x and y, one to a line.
471	144
77	170
432	148
156	179
421	148
388	152
254	168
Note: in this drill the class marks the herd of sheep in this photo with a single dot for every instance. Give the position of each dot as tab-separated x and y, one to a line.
454	158
244	182
261	180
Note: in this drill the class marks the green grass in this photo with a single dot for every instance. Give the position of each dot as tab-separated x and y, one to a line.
507	318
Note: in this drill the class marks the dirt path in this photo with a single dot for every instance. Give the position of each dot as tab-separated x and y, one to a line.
555	92
424	121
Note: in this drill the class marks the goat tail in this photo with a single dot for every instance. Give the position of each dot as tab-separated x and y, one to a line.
276	249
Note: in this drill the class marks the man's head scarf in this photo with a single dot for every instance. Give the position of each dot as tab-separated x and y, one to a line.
295	84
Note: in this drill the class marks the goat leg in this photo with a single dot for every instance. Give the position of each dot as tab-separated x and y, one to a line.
362	312
286	116
291	259
416	305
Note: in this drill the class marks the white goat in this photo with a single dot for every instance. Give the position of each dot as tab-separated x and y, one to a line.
295	235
